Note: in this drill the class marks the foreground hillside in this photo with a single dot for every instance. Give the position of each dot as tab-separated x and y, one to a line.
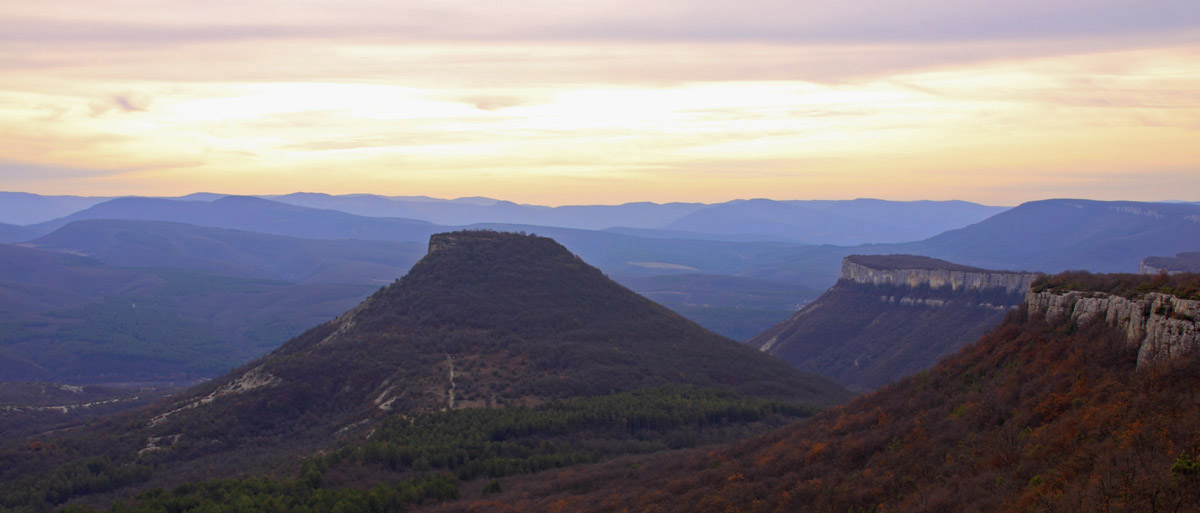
497	354
1045	413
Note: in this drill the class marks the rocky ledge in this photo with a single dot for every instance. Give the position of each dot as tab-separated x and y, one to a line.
915	271
1161	326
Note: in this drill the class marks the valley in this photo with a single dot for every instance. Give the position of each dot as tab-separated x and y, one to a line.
491	369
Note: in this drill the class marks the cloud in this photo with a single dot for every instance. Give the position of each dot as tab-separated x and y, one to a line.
34	172
124	104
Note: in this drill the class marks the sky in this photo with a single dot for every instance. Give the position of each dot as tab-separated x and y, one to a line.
604	101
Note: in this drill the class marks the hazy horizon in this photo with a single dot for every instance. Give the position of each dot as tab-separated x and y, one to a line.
604	102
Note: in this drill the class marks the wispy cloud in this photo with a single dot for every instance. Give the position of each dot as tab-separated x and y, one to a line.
798	98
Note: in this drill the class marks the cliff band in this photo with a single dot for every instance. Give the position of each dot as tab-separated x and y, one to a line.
892	315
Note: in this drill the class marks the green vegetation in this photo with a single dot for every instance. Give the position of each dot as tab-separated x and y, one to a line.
264	495
80	477
440	448
588	369
121	333
515	440
1133	286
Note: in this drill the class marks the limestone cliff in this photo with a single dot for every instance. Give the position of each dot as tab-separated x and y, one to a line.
892	315
1161	326
915	271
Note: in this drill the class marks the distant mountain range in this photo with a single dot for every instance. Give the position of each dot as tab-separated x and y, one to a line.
239	253
743	276
1062	234
22	208
808	222
1042	236
835	222
253	214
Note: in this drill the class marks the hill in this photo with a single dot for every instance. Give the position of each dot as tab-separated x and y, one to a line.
1061	234
555	351
10	233
233	252
73	318
468	211
851	222
1186	262
252	214
623	256
1045	413
22	208
29	408
893	315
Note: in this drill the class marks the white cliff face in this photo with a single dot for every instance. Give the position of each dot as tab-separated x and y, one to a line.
1161	326
1011	282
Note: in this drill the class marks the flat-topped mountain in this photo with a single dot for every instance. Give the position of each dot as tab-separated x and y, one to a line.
892	315
493	318
914	271
485	320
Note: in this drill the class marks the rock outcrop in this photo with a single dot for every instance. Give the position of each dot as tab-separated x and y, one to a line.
1161	326
915	271
892	315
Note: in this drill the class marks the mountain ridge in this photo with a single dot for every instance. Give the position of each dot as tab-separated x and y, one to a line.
1041	414
892	315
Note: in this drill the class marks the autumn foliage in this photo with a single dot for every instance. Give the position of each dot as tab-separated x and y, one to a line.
1033	417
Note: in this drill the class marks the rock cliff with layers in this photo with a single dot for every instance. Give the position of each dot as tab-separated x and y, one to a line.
892	315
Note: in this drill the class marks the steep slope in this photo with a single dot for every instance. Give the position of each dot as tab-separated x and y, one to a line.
850	222
128	243
27	408
520	320
253	214
486	319
1039	415
890	316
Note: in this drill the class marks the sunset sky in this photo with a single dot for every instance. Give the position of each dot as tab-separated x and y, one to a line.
604	101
